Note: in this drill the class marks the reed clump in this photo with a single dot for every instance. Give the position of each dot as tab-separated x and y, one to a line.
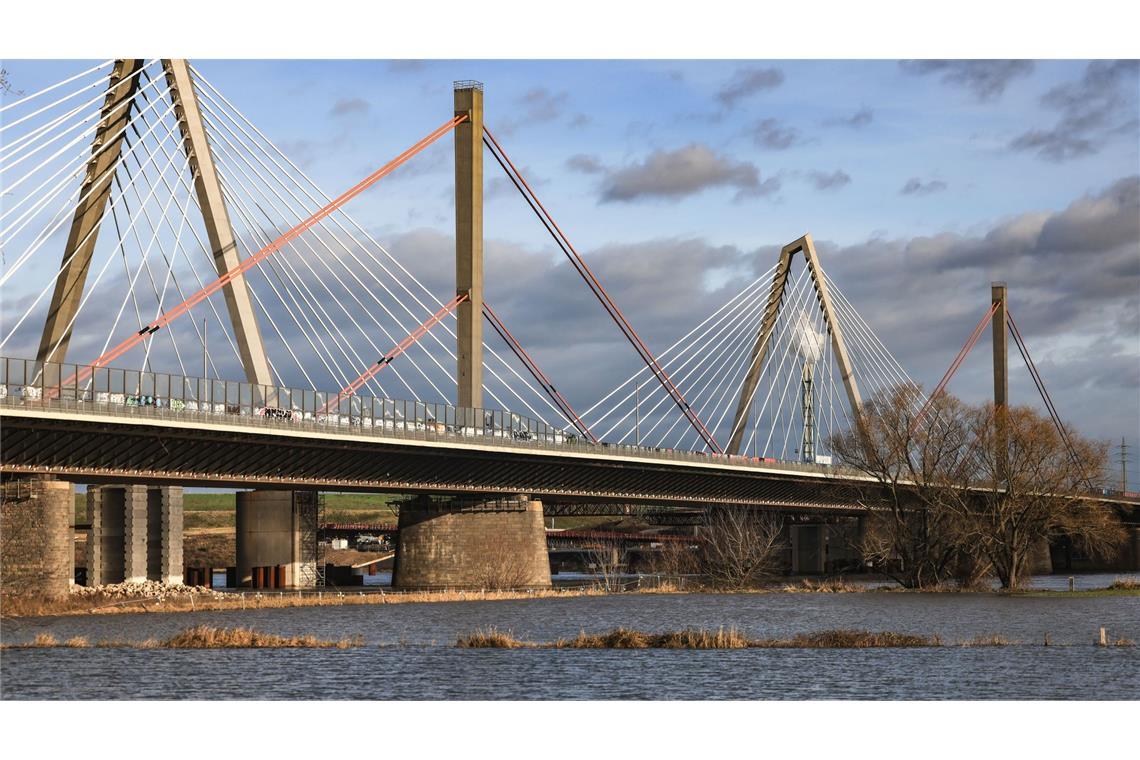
701	638
1125	584
200	637
489	638
993	640
826	586
850	639
208	637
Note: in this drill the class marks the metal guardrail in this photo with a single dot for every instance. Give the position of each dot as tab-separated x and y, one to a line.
156	395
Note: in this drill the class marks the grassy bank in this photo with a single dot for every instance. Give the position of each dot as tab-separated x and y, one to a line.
204	599
97	605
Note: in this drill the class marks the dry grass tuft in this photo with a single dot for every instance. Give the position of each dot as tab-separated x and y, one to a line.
992	640
1123	642
849	639
699	638
208	637
489	638
827	586
44	640
618	638
704	639
1125	584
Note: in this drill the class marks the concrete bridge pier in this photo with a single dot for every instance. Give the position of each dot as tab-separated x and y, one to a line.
274	529
474	544
809	548
135	534
37	542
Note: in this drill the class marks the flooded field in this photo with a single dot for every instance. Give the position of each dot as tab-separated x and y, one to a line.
409	651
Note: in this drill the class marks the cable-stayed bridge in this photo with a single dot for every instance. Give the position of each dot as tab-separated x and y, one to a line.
182	304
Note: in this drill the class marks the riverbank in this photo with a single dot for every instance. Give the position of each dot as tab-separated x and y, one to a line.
156	598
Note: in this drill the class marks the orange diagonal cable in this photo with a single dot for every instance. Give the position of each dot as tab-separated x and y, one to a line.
400	348
257	258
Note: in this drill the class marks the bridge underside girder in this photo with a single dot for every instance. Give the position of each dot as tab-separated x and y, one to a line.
139	453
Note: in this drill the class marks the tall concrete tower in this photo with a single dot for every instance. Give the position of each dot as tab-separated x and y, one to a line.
469	242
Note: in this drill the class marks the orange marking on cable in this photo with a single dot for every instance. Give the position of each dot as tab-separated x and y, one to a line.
400	348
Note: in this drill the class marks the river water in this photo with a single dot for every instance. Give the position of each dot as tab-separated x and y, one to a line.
410	652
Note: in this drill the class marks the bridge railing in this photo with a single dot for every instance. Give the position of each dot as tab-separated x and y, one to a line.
108	387
125	392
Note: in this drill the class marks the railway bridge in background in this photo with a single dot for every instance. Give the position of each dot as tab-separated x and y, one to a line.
151	173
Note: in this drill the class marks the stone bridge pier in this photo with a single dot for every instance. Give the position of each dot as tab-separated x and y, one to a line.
495	543
37	543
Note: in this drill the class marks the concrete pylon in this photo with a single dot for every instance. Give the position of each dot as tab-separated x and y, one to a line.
469	243
218	228
95	192
768	324
1001	373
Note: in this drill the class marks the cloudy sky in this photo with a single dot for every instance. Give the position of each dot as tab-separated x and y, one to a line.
679	180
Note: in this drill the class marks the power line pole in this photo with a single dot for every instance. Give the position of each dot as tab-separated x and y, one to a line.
1123	451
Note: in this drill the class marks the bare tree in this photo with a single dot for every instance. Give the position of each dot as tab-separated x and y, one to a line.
502	568
740	547
915	470
605	557
1030	485
676	558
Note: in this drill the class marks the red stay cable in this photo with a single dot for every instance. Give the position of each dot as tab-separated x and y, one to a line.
611	307
169	316
400	348
966	348
538	374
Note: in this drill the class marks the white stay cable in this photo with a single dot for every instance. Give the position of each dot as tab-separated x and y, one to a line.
208	110
791	293
723	316
95	184
66	262
726	326
49	88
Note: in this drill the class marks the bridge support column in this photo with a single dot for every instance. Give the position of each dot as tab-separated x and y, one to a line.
37	542
135	534
1135	549
270	534
164	534
809	543
1040	558
495	544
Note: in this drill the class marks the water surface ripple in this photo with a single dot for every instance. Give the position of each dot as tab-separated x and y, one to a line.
410	653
